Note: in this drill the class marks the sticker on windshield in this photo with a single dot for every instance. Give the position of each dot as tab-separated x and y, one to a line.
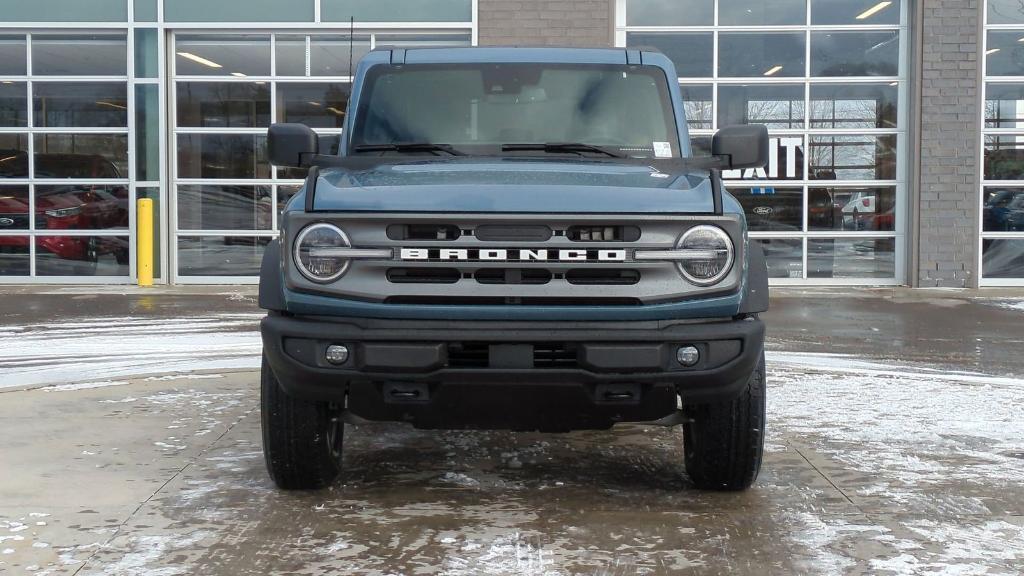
662	150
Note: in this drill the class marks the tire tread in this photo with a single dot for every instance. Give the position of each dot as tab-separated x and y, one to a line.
724	443
295	444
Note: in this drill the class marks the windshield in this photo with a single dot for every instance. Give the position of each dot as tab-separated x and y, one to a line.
478	108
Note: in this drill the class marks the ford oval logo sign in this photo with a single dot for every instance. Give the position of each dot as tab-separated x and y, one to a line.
763	210
6	222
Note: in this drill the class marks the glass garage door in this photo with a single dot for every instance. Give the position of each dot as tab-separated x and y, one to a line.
828	78
226	91
1002	184
64	175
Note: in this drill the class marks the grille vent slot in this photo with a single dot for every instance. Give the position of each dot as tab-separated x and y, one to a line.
599	277
423	275
512	276
512	233
424	232
512	301
552	356
602	233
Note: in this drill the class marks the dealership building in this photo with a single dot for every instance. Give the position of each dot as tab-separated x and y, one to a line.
897	126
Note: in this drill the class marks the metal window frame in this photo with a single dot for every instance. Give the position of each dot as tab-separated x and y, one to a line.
901	183
985	132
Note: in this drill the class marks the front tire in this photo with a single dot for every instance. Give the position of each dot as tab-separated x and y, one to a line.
723	444
302	440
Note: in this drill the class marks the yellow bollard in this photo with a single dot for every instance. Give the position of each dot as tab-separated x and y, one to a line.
144	226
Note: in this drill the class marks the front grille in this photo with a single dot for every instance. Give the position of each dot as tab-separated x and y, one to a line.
19	221
537	259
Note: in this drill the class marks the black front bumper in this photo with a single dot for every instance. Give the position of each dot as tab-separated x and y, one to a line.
511	375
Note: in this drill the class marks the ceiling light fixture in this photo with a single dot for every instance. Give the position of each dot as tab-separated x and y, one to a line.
112	105
773	70
873	10
992	51
239	74
199	59
311	103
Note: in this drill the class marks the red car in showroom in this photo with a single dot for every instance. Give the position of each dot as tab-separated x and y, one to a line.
66	207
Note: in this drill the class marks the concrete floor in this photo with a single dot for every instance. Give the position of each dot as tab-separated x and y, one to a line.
896	446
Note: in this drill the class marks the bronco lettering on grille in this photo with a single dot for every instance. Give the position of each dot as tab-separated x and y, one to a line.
511	255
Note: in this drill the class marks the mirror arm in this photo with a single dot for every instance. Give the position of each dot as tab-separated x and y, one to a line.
311	179
716	190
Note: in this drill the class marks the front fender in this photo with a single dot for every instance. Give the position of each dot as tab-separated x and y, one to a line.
271	279
755	296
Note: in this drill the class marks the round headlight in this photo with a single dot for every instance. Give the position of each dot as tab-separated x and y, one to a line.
311	259
712	255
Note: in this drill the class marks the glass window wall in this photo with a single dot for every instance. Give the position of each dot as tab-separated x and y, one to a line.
64	174
828	79
1001	244
227	89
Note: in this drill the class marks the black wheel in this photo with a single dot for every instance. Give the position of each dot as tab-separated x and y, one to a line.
724	442
302	440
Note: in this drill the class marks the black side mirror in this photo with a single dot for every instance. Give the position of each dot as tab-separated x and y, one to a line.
291	144
745	146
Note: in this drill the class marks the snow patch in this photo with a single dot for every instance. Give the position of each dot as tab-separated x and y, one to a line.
848	364
1005	303
119	347
511	554
83	386
147	550
460	479
171	377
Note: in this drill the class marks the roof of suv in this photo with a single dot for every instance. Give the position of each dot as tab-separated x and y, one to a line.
499	54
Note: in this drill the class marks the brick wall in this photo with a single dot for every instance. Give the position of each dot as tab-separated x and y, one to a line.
950	156
586	23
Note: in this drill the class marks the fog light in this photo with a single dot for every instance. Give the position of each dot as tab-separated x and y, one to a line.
688	356
337	354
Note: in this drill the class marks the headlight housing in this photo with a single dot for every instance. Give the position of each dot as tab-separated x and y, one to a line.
64	212
712	255
320	268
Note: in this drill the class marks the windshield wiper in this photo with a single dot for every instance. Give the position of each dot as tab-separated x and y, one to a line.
409	147
556	147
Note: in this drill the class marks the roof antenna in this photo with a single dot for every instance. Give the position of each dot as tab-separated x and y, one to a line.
351	43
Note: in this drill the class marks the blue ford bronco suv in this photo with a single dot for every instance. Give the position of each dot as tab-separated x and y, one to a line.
519	239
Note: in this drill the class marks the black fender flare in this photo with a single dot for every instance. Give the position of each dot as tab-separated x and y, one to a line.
271	278
755	297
